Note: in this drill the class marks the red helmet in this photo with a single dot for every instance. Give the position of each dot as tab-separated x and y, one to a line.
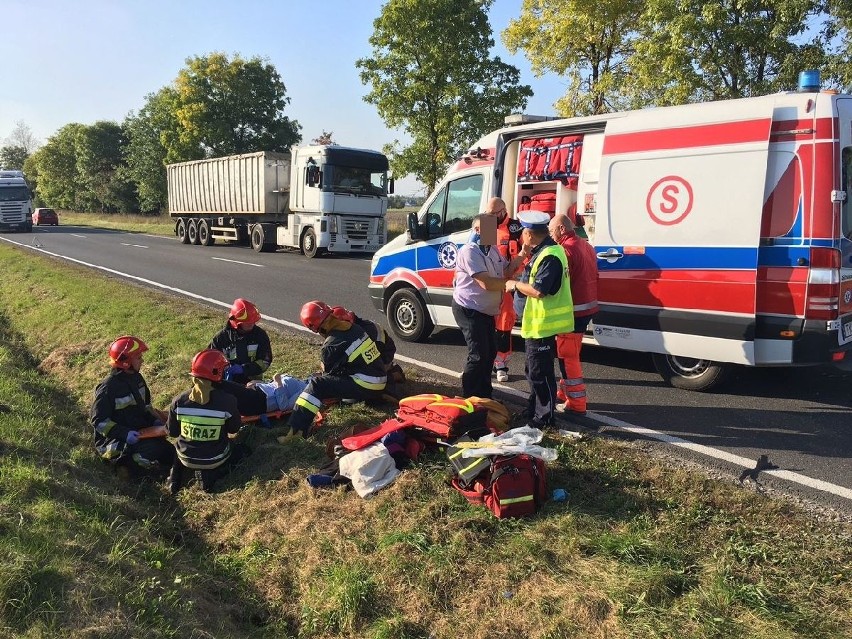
314	314
209	364
123	349
344	314
243	312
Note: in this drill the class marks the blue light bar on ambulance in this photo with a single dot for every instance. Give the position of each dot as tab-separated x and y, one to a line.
809	81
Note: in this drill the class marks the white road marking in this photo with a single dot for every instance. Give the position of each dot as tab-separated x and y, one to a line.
135	245
222	259
78	235
715	453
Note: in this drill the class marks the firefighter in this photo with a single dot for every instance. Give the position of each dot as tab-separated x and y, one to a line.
244	343
201	420
509	246
122	408
384	342
583	267
351	365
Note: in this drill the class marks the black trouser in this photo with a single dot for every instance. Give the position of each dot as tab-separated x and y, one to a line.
207	476
250	401
541	377
321	388
149	456
479	334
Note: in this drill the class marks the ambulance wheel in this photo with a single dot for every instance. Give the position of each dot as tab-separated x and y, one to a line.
180	231
408	317
205	238
689	373
192	231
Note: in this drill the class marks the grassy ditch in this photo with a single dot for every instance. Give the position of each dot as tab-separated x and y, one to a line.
639	550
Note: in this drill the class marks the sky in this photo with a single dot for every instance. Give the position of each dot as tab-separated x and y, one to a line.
90	60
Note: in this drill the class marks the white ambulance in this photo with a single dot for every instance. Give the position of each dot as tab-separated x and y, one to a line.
723	230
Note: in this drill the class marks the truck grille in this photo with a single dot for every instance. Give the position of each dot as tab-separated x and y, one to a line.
357	228
11	213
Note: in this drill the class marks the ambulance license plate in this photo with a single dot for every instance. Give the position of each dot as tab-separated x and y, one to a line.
845	331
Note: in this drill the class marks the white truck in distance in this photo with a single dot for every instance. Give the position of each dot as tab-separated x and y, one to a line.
322	198
16	205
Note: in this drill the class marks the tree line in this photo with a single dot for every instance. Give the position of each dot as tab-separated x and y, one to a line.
431	74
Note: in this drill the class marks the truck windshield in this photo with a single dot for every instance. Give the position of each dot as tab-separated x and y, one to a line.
353	179
14	193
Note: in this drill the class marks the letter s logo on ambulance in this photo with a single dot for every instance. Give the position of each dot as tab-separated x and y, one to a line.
669	200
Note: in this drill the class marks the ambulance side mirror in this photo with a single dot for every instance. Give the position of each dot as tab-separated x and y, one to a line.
416	231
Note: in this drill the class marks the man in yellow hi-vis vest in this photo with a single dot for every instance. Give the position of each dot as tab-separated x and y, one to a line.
547	309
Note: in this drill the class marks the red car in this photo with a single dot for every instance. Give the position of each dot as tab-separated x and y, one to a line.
45	216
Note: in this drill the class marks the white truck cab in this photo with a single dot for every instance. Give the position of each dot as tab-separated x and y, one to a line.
16	205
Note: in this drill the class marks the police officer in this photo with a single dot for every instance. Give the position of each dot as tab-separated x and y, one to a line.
351	365
547	312
245	344
202	419
122	408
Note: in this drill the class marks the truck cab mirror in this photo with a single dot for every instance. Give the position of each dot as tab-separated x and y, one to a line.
313	175
390	186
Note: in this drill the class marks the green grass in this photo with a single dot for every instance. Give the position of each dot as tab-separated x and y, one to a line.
639	550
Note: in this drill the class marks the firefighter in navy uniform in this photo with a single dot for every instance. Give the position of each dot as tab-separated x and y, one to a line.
122	408
351	365
245	344
202	419
384	342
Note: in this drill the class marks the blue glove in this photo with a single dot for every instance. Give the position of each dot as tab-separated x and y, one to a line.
264	421
233	370
132	437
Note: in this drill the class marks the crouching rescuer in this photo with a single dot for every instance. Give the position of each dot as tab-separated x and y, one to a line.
351	364
122	408
202	419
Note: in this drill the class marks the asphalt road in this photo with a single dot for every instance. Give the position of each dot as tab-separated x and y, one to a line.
799	418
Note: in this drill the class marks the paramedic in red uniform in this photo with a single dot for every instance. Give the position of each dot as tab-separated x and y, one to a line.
351	365
509	245
583	270
547	312
244	343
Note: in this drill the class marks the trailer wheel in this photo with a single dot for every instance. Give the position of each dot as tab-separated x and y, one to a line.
192	231
258	239
689	373
309	244
204	236
408	317
180	231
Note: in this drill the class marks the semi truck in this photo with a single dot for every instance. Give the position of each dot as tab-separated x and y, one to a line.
723	230
16	204
318	199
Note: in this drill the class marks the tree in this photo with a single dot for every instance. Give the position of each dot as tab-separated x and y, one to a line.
233	106
692	50
23	136
431	74
56	167
587	41
324	138
101	168
838	32
13	156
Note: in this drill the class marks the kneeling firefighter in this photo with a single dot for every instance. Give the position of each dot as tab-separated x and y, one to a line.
351	365
201	419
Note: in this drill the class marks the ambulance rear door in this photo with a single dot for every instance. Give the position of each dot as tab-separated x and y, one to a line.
677	229
842	198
